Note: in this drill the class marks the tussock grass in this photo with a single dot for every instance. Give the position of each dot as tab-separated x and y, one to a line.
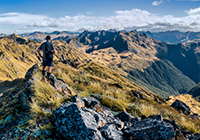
149	110
95	88
169	113
116	99
45	99
37	110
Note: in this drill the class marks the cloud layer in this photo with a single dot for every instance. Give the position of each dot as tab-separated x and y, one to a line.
156	3
127	19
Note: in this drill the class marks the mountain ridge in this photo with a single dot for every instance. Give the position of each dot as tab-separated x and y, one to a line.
173	37
134	54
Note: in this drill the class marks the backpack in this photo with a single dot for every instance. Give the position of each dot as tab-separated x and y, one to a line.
48	54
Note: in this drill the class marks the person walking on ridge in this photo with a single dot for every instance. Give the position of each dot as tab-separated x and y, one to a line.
48	51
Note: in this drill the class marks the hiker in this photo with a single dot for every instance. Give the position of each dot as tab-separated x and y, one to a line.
48	51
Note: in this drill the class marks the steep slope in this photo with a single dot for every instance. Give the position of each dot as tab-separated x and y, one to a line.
159	75
195	92
17	54
137	57
174	37
185	57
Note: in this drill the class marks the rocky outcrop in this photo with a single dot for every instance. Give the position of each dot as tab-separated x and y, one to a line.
148	129
59	84
33	70
180	106
76	121
110	132
80	122
137	94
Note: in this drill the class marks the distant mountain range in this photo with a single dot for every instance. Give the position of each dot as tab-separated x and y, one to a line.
173	37
40	36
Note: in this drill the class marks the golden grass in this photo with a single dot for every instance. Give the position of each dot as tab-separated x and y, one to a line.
187	99
169	113
45	99
37	110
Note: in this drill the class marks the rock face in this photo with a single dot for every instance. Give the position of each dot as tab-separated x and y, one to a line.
33	70
148	129
86	122
180	106
110	132
124	116
74	123
59	84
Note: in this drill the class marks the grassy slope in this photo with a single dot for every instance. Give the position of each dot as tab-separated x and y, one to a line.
166	77
16	58
95	81
17	55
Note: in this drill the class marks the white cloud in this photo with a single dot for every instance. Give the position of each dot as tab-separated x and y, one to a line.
128	19
195	11
156	3
14	18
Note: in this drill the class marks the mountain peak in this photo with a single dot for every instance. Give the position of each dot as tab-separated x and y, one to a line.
14	35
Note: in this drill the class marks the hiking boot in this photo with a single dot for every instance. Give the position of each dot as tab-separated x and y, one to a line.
43	73
48	75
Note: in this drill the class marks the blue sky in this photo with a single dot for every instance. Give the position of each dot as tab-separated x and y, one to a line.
21	16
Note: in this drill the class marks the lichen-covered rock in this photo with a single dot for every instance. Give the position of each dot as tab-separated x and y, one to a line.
74	123
101	122
110	132
110	119
173	123
150	129
33	70
90	101
156	117
193	137
124	117
180	106
180	136
59	84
